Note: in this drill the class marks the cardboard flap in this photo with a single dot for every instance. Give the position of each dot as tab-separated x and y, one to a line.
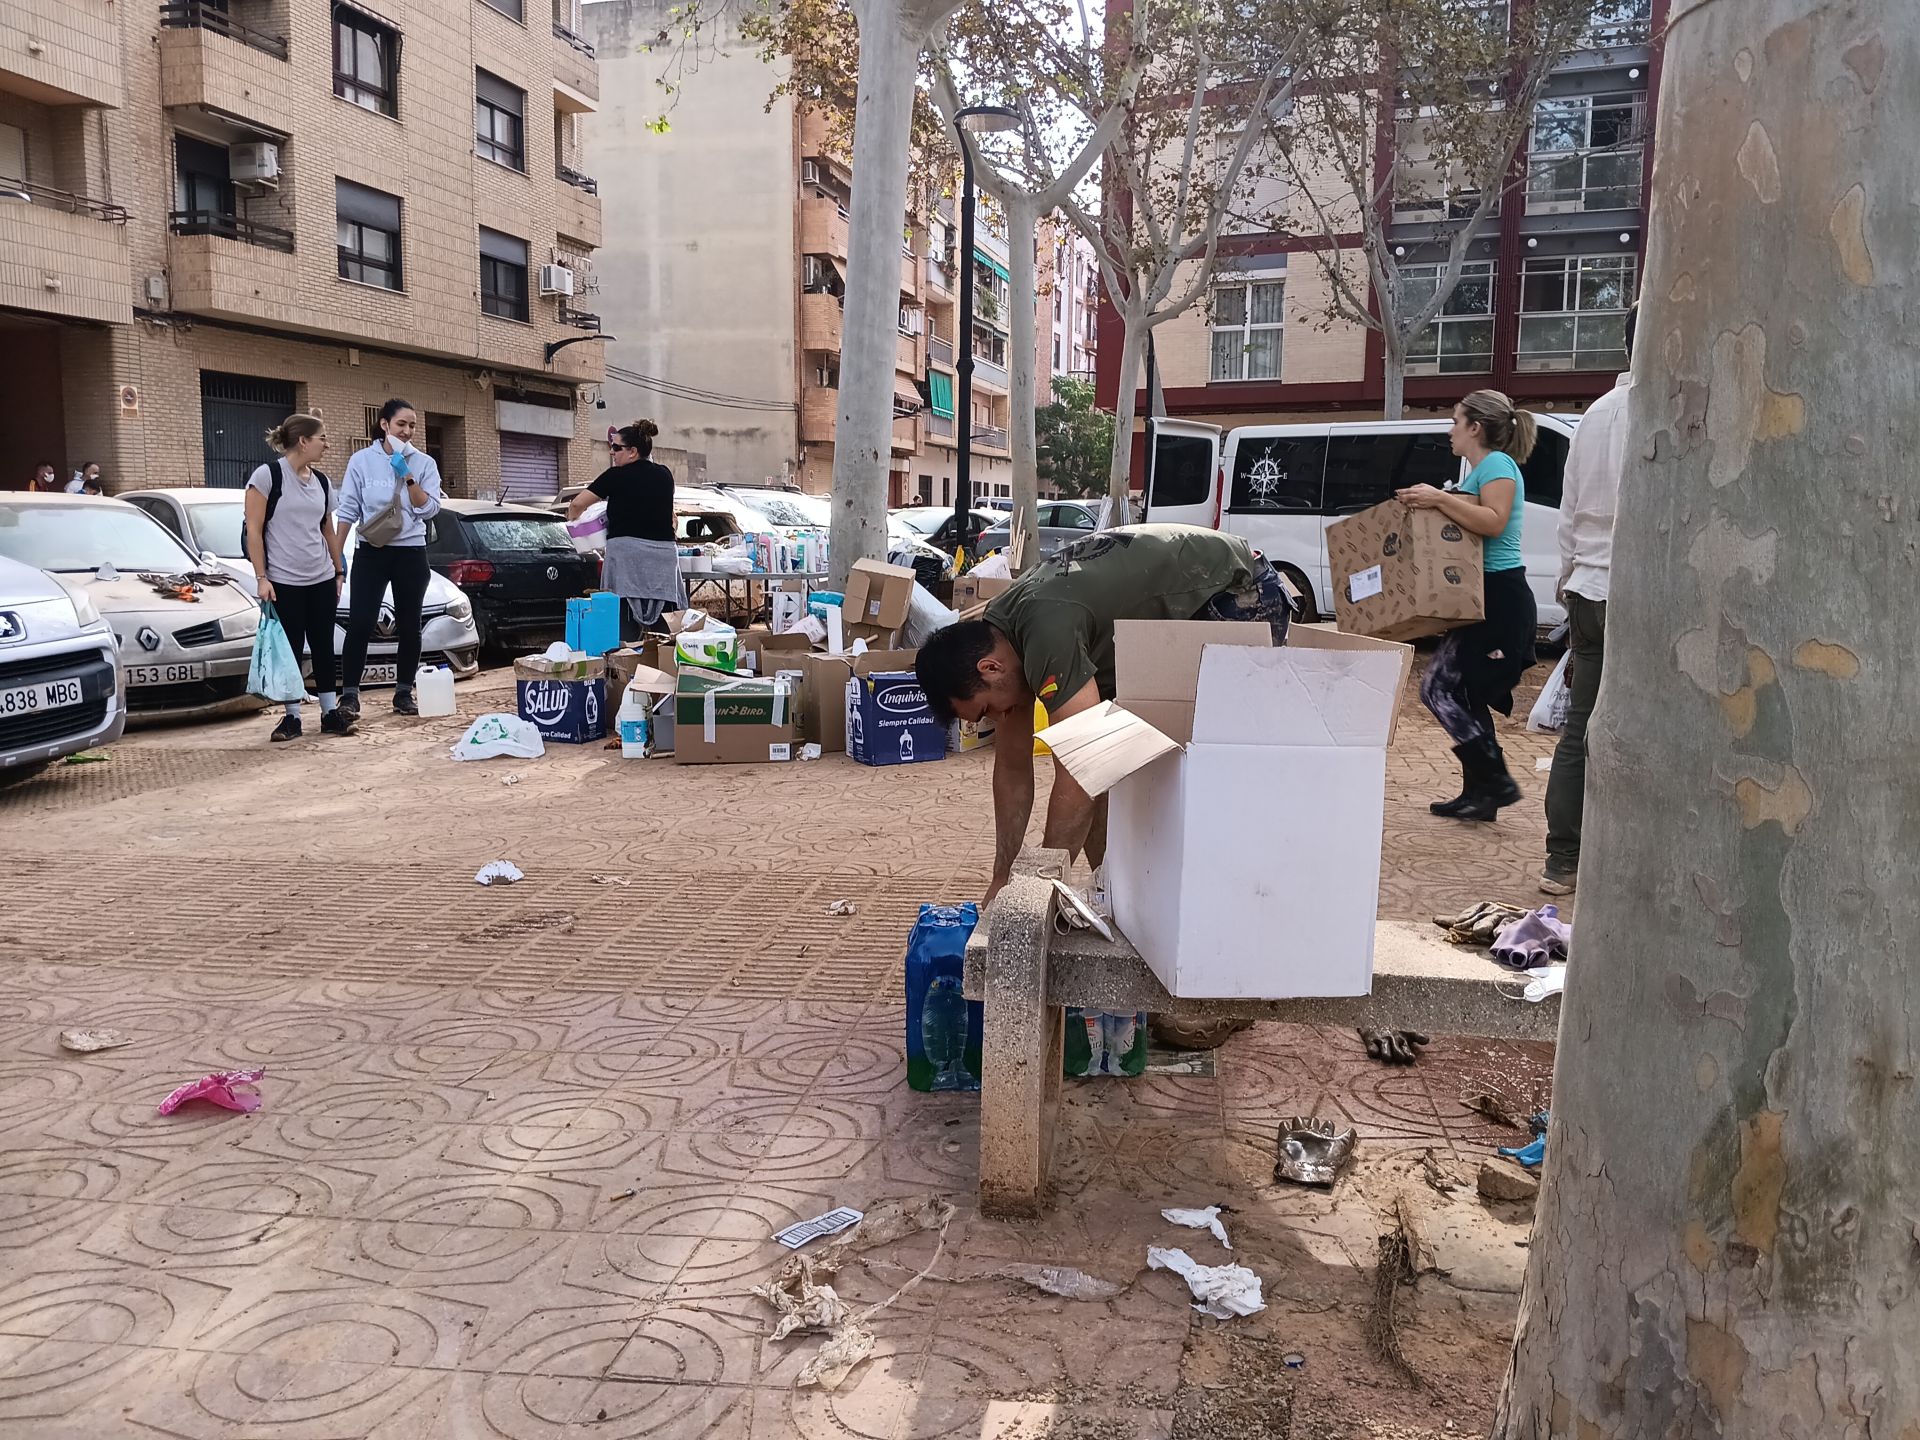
1297	696
1327	637
1159	660
649	681
1102	746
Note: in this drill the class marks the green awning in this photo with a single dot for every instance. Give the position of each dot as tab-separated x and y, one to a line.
993	265
940	392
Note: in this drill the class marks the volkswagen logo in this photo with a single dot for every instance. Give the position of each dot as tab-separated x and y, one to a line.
553	572
148	637
385	625
10	627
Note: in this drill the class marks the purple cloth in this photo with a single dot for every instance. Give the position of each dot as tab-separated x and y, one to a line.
1535	939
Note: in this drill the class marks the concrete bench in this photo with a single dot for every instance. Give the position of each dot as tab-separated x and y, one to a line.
1027	974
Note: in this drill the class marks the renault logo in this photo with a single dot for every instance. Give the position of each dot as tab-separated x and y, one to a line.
148	637
385	625
10	627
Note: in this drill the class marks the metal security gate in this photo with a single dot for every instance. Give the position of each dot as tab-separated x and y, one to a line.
236	411
529	467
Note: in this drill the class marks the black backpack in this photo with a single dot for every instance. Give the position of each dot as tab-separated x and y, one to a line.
273	502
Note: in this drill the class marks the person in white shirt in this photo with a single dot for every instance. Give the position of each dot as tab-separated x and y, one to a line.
374	475
1596	460
86	480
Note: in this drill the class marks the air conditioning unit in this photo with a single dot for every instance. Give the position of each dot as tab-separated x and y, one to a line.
912	321
556	280
255	163
809	172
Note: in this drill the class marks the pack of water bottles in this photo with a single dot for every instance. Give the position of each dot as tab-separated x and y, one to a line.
943	1026
889	721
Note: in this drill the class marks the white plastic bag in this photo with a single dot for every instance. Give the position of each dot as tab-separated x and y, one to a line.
1550	710
925	617
497	734
995	567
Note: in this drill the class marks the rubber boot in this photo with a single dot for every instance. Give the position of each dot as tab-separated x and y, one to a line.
1501	787
1453	809
1489	786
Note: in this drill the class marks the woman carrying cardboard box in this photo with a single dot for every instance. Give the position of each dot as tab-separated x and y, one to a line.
1475	669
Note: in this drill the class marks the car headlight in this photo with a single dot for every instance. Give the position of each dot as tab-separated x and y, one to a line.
241	626
461	609
85	612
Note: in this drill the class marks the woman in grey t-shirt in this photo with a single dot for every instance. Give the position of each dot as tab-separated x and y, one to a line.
294	545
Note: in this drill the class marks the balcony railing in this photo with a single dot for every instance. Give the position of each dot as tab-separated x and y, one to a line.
570	176
940	426
989	372
1573	181
1623	22
231	227
561	32
990	437
579	319
49	198
200	15
940	348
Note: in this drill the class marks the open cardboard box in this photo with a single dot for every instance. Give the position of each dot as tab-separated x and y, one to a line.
1247	788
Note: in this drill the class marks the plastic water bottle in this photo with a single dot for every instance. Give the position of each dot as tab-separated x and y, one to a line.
433	690
943	1031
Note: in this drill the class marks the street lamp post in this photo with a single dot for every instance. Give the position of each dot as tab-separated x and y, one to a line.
977	120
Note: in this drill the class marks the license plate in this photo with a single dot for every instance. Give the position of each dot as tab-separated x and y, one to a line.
380	675
165	674
48	695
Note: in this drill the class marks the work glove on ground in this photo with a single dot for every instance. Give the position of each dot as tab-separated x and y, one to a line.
1393	1047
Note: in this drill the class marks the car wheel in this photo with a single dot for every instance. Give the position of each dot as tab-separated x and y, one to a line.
1309	612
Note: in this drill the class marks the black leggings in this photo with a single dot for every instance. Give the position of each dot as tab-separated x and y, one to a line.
306	614
1475	669
404	567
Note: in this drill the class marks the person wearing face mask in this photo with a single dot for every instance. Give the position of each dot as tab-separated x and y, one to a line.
88	475
391	490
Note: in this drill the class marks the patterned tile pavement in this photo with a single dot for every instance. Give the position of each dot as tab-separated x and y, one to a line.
426	1230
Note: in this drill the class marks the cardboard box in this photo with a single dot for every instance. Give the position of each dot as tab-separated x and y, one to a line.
972	590
889	721
766	653
566	700
731	719
1399	573
877	594
788	605
824	717
1243	831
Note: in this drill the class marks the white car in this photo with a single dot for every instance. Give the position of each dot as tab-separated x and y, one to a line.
210	520
180	659
60	685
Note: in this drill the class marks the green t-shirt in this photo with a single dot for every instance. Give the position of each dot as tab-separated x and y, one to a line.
1502	551
1060	614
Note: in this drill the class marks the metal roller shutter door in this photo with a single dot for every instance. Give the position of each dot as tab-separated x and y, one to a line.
529	467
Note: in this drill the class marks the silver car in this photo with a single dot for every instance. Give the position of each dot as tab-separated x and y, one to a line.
211	520
60	687
180	659
1060	523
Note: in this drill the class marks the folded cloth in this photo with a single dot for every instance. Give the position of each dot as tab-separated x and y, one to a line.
1535	939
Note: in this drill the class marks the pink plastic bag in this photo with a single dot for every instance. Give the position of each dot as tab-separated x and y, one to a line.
218	1088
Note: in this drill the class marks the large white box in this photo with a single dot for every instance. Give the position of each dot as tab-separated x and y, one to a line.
1247	787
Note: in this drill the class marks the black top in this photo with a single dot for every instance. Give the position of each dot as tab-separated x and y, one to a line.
639	500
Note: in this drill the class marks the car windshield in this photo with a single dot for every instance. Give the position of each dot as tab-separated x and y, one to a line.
520	532
793	512
87	535
922	521
217	527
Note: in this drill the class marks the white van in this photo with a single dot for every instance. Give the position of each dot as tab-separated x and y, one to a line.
1280	486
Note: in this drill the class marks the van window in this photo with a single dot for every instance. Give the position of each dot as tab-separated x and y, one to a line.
1363	470
1278	473
1546	469
1182	471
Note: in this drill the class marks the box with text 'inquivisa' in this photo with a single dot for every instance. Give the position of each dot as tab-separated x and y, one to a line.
1399	573
1219	751
889	721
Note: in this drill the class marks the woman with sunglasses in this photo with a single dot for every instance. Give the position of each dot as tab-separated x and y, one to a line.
643	561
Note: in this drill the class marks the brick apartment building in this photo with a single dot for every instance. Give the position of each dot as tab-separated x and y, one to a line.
725	267
1540	309
215	212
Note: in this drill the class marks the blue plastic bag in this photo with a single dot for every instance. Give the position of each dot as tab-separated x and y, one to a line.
943	1026
275	671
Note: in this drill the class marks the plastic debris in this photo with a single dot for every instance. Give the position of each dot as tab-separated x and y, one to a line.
895	1220
1223	1291
843	907
1293	1360
619	880
88	757
831	1223
810	751
834	1361
1312	1151
513	779
86	1041
1543	766
1059	1280
1542	981
503	872
1207	1219
1530	1154
802	1297
218	1089
496	734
